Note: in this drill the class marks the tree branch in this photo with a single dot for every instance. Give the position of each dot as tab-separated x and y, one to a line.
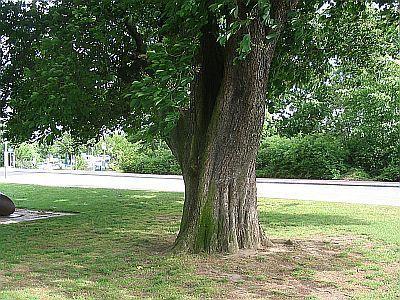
141	46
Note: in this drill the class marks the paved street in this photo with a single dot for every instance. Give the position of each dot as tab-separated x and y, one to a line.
329	190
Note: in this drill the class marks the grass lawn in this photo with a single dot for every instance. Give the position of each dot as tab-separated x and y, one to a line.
117	247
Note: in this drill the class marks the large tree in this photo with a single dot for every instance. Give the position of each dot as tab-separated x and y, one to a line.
194	72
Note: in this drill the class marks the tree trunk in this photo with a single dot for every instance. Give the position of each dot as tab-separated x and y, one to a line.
217	139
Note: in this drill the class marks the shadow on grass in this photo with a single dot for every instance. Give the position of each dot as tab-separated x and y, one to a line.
275	219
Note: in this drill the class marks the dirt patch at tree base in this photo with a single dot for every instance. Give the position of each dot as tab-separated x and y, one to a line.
318	268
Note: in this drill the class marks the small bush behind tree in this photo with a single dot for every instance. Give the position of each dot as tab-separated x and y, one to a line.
80	163
27	155
391	172
137	158
308	157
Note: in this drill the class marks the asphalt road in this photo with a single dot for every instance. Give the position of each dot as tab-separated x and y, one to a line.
327	190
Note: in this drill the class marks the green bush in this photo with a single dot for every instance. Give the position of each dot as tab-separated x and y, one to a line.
390	173
80	163
356	174
27	155
319	156
370	154
308	157
139	159
378	156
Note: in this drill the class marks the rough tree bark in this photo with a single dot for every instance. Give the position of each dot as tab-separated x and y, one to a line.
217	139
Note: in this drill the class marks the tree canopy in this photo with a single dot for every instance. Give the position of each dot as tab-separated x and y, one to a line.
88	66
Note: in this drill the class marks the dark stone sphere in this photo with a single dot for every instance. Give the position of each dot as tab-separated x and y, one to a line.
7	207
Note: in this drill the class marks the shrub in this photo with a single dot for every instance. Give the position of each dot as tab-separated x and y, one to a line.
390	173
80	163
319	156
370	154
377	155
27	155
139	159
356	174
308	157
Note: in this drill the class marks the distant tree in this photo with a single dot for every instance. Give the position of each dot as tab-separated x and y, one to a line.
116	145
368	117
64	147
366	42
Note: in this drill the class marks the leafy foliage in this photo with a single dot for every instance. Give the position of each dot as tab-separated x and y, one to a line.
352	92
63	146
28	155
309	157
146	160
370	121
88	66
80	163
76	66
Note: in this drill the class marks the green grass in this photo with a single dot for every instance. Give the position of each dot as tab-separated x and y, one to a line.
117	247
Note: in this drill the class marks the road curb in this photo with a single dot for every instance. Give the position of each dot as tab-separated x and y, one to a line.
329	182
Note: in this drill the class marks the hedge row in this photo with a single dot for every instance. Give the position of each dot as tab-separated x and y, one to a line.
308	157
148	161
303	157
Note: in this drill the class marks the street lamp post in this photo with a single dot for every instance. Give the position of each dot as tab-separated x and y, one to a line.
5	158
104	148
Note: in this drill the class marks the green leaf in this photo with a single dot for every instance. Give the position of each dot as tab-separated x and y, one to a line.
245	44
